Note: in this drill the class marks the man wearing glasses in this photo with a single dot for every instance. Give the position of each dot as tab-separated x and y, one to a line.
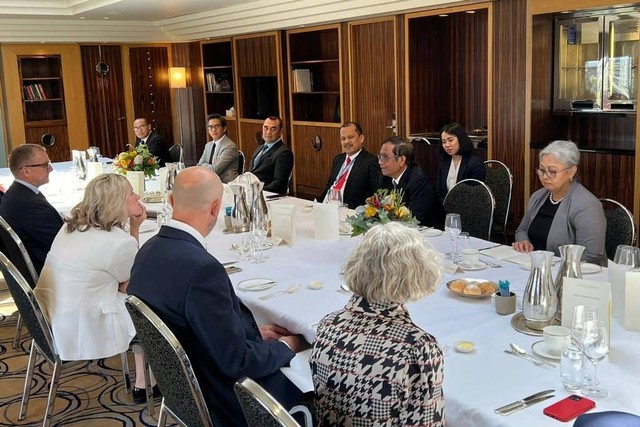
156	143
220	154
25	208
400	172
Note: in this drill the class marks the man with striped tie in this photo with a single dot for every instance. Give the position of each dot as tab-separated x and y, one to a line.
355	172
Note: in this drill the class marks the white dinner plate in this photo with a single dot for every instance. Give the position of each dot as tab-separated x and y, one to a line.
588	268
473	267
540	349
432	232
256	284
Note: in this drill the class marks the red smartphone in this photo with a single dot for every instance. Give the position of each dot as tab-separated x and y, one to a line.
569	408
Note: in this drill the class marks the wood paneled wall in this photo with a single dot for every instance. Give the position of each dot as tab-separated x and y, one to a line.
150	88
312	168
104	95
508	143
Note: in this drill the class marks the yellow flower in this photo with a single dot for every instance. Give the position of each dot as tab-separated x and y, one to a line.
370	212
403	212
123	156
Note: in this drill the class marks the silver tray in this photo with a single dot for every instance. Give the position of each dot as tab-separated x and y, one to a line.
519	324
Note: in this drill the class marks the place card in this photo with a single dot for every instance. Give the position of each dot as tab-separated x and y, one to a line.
625	293
586	292
326	225
283	222
163	173
136	179
94	169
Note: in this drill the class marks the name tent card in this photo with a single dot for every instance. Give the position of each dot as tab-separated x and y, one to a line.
326	225
94	169
283	222
586	292
625	292
163	173
136	179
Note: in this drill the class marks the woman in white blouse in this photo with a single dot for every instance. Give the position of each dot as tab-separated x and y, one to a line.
83	284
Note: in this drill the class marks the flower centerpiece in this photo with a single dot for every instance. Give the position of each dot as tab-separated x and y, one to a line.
382	207
138	158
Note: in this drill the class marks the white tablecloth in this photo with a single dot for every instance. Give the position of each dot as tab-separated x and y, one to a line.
474	383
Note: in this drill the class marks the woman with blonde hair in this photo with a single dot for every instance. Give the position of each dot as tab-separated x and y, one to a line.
371	364
84	280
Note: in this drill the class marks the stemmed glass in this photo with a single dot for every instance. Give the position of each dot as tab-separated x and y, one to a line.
333	196
453	227
595	346
259	228
582	314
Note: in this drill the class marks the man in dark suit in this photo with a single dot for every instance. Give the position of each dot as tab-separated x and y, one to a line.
399	170
156	143
25	208
272	162
355	173
189	289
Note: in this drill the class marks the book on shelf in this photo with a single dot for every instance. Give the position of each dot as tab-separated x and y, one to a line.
218	82
302	80
34	92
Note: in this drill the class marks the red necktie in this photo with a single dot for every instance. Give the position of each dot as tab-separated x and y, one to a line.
345	171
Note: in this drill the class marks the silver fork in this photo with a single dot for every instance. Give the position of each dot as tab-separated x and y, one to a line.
290	290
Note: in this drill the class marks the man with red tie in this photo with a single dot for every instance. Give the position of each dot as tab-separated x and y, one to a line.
355	172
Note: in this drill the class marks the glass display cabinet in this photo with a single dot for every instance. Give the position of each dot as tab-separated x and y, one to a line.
596	58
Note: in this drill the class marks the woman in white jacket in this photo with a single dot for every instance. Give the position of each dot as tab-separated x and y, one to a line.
83	284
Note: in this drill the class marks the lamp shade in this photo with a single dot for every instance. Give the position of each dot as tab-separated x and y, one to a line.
177	77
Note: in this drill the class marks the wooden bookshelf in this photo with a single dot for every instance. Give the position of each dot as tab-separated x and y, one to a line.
42	90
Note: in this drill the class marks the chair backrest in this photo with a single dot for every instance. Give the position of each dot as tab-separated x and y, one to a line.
175	152
500	180
260	408
17	253
621	226
29	308
473	200
241	160
170	364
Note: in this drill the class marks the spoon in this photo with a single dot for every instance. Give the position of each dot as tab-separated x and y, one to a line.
517	349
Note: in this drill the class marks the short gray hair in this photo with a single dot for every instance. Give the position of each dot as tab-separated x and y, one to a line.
566	152
393	264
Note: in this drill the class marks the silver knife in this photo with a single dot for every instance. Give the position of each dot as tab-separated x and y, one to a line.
529	403
521	402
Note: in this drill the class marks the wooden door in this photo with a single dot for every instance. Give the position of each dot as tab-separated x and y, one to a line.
150	87
373	79
104	95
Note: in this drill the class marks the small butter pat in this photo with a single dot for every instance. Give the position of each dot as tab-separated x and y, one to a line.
315	285
465	346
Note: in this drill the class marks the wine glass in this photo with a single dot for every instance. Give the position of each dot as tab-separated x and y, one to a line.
333	196
453	227
595	346
581	315
258	229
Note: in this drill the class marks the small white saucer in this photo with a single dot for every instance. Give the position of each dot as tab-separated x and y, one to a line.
432	232
588	268
473	267
465	346
256	285
539	348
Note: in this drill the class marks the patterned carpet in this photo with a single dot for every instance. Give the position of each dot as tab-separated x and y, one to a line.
91	394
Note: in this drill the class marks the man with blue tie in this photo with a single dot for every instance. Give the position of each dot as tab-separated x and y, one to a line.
272	162
25	208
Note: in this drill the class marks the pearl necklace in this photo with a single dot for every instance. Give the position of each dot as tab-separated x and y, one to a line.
554	202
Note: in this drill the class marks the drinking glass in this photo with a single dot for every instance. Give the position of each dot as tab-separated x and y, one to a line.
628	256
453	227
259	227
333	196
581	315
595	347
572	366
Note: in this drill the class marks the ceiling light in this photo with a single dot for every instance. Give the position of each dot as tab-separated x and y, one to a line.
106	17
470	11
443	15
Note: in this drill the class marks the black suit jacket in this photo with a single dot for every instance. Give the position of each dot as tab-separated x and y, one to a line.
158	147
273	167
471	166
191	292
363	179
419	196
33	219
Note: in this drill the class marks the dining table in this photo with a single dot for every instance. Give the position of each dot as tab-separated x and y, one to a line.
307	271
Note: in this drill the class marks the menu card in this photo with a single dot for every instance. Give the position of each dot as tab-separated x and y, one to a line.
586	292
325	221
625	292
283	222
94	169
163	173
136	178
507	253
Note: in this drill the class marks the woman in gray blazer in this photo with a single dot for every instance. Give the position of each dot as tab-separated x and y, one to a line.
221	153
563	212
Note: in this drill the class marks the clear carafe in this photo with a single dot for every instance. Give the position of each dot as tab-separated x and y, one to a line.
259	208
569	267
540	301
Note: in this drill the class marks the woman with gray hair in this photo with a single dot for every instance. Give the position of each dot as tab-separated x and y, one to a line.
563	211
371	364
84	280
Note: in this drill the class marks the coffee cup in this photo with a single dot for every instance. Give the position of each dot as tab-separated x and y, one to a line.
556	337
470	256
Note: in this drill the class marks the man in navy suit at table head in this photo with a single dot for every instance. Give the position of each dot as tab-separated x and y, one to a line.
191	292
154	141
24	207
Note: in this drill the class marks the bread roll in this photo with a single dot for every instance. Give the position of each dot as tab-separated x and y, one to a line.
458	285
487	288
472	289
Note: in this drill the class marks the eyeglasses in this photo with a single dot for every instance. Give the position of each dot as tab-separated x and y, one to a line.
384	158
214	126
140	127
550	174
45	164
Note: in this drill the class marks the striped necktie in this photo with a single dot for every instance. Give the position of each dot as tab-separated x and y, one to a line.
343	175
